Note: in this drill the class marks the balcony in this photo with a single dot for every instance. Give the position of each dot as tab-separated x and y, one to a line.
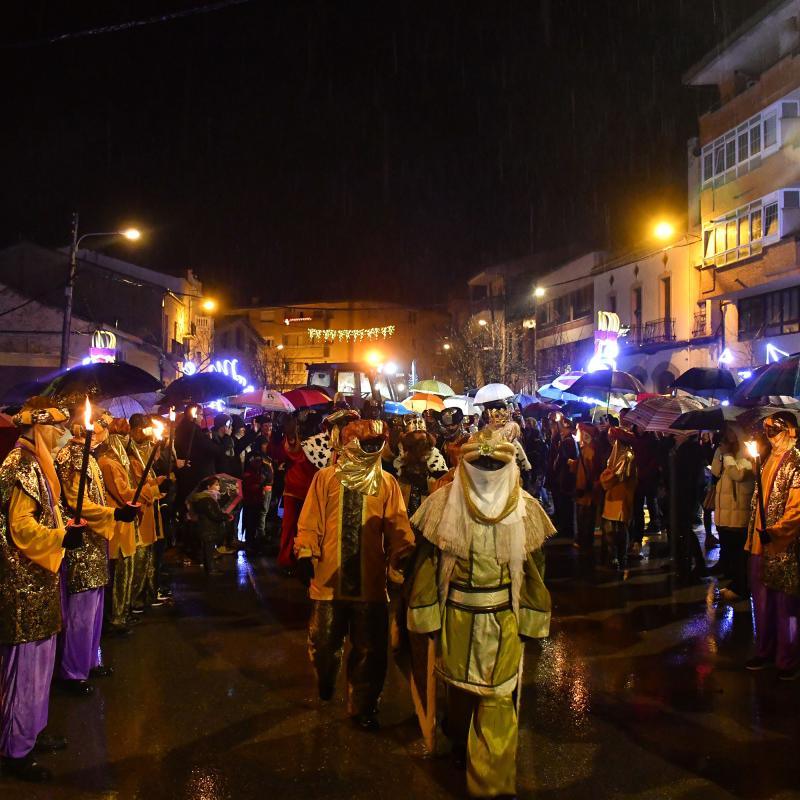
656	331
699	326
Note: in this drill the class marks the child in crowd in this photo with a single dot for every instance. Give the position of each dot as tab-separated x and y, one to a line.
209	519
257	494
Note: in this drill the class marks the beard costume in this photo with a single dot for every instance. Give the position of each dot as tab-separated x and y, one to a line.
478	584
353	527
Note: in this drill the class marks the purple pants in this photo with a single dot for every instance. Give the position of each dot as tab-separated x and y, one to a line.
79	640
26	671
777	618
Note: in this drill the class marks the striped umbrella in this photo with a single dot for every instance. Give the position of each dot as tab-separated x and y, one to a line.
659	413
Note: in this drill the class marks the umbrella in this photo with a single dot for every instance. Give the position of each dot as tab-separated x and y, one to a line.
659	413
101	382
525	400
433	387
423	402
706	381
392	407
540	410
605	380
566	380
751	418
707	419
230	491
202	387
780	378
305	398
265	399
462	401
129	404
492	392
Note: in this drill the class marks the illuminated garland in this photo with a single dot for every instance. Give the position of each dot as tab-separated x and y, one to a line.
347	334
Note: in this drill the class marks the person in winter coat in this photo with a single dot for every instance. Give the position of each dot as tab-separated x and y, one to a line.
209	518
257	492
587	468
734	491
618	480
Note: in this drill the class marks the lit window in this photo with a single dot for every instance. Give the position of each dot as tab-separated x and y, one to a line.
744	230
755	225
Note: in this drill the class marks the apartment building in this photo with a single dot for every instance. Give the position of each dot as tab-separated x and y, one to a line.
744	179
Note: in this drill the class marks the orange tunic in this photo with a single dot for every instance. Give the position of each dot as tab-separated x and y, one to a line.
149	527
118	492
789	524
353	538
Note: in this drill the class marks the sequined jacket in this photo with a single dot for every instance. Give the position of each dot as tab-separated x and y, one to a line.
30	595
87	566
787	477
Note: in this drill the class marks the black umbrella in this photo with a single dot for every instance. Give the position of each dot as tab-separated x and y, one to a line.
606	380
202	387
780	378
707	419
101	382
706	381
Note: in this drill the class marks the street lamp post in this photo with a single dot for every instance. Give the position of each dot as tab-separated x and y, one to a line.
131	233
537	293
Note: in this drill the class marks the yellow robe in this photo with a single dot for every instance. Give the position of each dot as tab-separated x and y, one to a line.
40	544
352	538
118	492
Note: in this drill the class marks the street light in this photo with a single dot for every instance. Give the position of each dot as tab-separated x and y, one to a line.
664	231
538	293
209	305
132	234
482	323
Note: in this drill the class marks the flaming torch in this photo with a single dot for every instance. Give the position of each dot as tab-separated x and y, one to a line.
171	441
193	415
752	451
87	449
158	431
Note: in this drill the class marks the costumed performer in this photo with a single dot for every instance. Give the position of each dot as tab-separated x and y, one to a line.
479	586
33	538
115	467
419	462
353	522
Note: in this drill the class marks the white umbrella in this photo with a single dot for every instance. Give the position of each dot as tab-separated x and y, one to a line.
266	399
492	392
462	402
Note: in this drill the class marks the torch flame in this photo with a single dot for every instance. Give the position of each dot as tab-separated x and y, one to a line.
752	448
87	416
193	412
172	414
558	416
158	429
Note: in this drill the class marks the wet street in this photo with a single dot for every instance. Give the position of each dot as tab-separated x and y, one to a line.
638	693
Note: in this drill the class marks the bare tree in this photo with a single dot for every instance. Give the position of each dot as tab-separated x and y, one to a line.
491	353
272	368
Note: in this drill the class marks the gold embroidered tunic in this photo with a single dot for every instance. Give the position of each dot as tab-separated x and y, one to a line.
780	478
87	566
31	534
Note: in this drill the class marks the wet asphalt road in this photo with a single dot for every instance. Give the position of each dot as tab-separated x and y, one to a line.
638	693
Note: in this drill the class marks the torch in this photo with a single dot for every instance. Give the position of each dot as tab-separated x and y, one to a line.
171	442
752	451
87	449
158	430
193	415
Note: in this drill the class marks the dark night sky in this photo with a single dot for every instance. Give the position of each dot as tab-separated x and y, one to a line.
280	146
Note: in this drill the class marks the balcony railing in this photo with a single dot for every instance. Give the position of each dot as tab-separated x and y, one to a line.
699	328
653	332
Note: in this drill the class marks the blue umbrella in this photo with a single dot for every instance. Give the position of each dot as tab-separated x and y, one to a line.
525	400
391	407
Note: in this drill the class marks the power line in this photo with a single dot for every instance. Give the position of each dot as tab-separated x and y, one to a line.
126	26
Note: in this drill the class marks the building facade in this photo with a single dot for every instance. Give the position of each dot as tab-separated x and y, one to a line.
745	187
276	342
156	320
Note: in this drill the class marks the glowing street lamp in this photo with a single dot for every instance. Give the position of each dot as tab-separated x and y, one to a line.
664	231
482	323
131	234
209	305
538	292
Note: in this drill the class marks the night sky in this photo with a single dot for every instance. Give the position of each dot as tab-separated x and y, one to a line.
308	150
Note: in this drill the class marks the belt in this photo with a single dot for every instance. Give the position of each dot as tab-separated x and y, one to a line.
481	600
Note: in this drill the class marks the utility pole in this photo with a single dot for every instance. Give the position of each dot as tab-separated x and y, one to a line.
71	270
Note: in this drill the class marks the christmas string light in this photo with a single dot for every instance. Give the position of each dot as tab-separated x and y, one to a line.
348	334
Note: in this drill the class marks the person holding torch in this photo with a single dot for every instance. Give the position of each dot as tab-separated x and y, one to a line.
33	539
143	446
85	569
772	540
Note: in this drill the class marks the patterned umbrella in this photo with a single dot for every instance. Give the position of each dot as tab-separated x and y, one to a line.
660	413
433	387
780	378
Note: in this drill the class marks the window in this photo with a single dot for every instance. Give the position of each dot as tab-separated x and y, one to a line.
755	140
346	383
771	314
770	130
582	301
755	225
321	379
612	303
771	219
636	307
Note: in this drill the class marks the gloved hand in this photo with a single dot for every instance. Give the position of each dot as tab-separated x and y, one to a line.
126	513
305	571
73	538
